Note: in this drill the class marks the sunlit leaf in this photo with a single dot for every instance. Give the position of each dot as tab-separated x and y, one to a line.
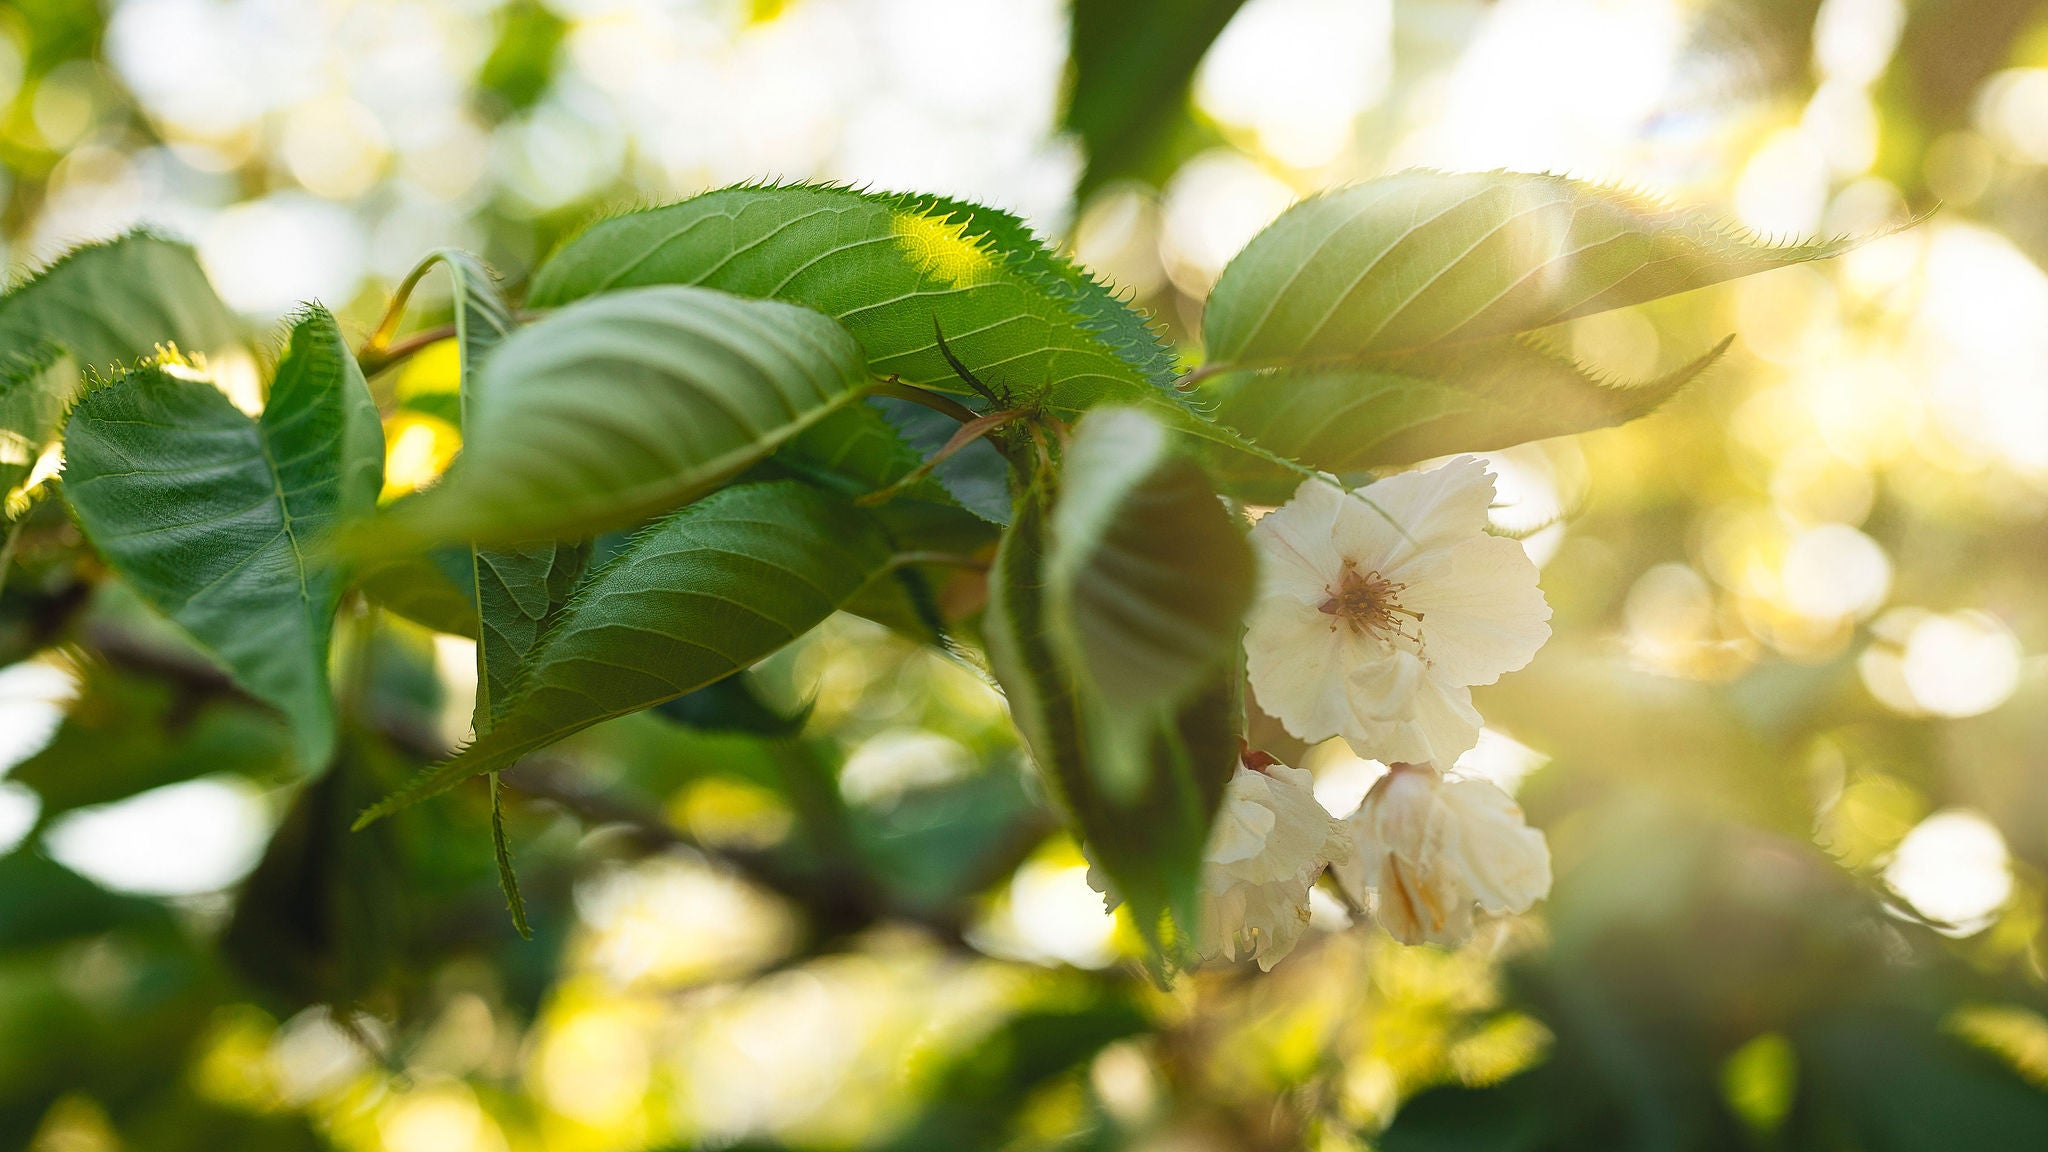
105	306
217	520
1468	398
702	594
624	406
1423	258
897	270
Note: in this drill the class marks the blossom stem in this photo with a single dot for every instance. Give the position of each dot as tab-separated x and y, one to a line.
896	389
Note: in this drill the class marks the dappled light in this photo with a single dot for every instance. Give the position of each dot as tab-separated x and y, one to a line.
880	575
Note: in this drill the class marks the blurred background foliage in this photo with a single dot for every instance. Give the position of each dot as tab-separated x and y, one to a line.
1786	743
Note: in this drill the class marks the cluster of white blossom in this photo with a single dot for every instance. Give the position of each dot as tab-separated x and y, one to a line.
1378	611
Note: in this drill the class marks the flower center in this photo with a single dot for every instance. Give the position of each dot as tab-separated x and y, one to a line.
1367	604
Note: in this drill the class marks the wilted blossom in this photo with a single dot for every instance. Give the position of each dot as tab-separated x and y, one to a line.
1378	610
1425	851
1270	841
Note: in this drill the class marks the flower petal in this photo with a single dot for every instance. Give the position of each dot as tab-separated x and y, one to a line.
1482	611
1505	862
1413	512
1295	542
1297	659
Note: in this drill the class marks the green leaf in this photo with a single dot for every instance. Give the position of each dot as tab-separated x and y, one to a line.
520	594
1470	398
1141	785
1424	258
516	591
105	306
897	270
215	519
625	406
706	592
1147	577
522	62
1133	61
482	318
435	589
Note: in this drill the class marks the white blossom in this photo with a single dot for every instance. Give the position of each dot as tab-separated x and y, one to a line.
1378	610
1270	841
1427	850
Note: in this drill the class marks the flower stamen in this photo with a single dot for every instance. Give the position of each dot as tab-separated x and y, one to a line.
1367	604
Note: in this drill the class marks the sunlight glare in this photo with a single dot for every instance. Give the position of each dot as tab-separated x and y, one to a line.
1953	868
178	840
34	695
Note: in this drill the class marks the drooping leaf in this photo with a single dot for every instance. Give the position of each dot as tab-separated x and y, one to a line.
621	407
482	318
1469	398
702	594
1423	258
516	591
1147	578
104	306
1140	785
897	270
1133	61
217	520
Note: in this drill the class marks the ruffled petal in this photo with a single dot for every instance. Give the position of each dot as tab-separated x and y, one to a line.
1439	725
1482	611
1391	520
1297	659
1505	862
1296	544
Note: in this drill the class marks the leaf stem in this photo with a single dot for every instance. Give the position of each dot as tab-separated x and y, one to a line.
945	405
375	356
967	434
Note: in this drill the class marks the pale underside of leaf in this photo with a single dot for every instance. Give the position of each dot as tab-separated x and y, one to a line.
704	593
626	405
1425	258
1147	577
1148	833
1473	398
